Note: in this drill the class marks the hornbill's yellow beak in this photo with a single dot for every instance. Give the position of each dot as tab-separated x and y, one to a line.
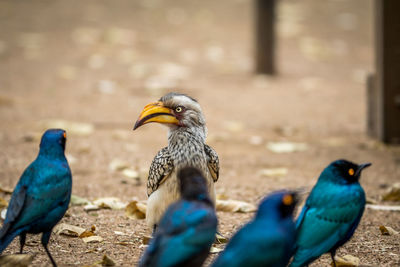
156	112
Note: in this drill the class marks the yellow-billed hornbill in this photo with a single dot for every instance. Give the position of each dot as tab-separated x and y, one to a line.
186	147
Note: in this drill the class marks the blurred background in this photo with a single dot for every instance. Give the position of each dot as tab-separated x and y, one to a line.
91	66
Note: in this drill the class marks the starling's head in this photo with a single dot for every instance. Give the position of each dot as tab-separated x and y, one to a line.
173	110
281	204
53	140
193	185
344	171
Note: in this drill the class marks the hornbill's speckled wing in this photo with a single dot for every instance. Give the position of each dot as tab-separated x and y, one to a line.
161	167
212	162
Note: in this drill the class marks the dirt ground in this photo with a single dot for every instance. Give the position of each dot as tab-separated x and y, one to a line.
99	62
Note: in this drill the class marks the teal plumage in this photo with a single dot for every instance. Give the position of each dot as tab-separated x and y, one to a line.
267	240
41	196
331	213
188	227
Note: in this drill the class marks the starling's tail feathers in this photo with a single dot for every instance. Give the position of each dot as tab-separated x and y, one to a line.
6	238
3	230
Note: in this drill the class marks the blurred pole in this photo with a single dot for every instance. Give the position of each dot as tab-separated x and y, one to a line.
384	85
265	36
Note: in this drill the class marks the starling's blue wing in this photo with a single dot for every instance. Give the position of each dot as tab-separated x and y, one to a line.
42	188
265	241
14	208
323	223
160	169
185	230
193	235
254	245
352	228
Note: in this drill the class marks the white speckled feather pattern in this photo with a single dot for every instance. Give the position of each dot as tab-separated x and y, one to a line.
185	148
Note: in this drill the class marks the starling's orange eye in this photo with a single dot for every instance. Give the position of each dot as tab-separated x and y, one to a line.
287	200
351	172
65	135
178	109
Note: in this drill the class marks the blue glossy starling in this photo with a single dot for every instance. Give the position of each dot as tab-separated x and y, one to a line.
268	239
331	213
41	197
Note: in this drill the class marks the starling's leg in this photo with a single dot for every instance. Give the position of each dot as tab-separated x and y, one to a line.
22	238
45	241
333	258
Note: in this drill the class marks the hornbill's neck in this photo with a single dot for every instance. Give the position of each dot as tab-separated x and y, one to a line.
184	134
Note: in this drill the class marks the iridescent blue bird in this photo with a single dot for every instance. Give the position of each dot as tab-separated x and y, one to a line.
268	239
188	227
41	197
331	213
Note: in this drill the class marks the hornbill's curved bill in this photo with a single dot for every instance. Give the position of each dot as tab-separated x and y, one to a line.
156	112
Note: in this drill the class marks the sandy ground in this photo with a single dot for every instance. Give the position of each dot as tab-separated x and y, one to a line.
99	62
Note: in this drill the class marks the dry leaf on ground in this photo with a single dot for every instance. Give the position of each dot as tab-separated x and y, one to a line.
286	147
78	201
346	261
92	239
141	207
235	206
120	233
220	239
107	261
16	260
3	203
215	250
109	203
91	207
146	239
69	230
3	214
124	243
6	190
88	233
386	230
393	193
132	211
87	236
371	200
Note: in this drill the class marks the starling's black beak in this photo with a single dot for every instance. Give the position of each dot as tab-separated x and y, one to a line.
361	167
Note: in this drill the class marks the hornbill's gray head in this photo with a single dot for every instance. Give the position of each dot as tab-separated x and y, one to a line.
174	110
